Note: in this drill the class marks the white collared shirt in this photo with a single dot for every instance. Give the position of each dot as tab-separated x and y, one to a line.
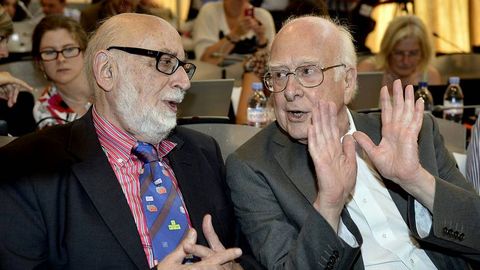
387	240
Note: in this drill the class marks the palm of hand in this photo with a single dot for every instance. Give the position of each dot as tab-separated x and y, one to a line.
396	157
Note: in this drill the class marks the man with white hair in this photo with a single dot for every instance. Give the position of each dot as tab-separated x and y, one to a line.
122	187
308	198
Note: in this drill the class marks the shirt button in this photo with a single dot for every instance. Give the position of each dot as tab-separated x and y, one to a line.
412	261
384	235
365	200
119	160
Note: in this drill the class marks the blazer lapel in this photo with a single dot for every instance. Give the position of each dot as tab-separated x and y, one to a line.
187	176
370	124
294	160
96	176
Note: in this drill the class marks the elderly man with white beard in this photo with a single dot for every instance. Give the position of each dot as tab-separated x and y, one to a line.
122	187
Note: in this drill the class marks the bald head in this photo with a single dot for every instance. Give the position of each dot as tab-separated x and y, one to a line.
130	30
321	34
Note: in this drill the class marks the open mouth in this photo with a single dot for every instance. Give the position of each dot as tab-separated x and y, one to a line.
173	105
296	115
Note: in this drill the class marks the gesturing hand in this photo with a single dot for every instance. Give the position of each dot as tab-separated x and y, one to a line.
334	161
396	157
10	87
215	257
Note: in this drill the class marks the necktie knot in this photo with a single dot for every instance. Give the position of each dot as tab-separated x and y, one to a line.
145	152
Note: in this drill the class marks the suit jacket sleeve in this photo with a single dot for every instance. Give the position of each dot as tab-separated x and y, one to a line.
277	241
456	208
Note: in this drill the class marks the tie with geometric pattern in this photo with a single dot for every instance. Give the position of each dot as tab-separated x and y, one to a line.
162	205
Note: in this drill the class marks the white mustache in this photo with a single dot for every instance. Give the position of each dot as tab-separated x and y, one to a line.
176	95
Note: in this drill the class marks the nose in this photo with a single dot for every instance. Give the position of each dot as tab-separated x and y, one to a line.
60	57
293	87
180	79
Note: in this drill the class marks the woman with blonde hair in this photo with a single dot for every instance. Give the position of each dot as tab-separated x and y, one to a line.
406	52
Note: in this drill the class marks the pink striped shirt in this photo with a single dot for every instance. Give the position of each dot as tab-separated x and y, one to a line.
118	145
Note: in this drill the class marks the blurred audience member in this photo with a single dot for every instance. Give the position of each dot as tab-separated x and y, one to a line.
231	27
10	7
254	66
57	7
152	7
15	106
91	16
406	51
473	157
13	8
58	44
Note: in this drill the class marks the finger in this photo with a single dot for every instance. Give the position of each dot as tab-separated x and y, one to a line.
23	85
409	106
398	101
210	234
418	116
179	253
333	121
12	94
349	148
198	250
325	120
314	130
386	105
365	142
223	257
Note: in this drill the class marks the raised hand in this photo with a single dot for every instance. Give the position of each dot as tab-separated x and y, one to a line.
396	157
334	161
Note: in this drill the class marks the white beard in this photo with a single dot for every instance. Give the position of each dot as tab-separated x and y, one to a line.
152	123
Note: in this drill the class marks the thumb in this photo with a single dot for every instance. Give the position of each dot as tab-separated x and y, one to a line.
365	142
179	253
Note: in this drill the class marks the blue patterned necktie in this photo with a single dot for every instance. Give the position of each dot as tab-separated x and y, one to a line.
162	204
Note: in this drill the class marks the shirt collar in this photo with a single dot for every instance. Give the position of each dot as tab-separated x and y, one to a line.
118	143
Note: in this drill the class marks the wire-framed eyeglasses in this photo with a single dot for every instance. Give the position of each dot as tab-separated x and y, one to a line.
308	76
166	63
51	54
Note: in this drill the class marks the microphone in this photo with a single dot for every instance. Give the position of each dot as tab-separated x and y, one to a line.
440	108
435	34
436	108
24	8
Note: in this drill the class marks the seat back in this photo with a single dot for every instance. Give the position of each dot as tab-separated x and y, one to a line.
228	136
454	135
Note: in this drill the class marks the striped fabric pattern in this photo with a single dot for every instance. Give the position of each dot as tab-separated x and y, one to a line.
473	157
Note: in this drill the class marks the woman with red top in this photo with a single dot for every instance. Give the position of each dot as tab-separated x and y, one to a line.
58	44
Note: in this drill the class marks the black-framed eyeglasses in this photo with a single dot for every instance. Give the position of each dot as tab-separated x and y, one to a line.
308	76
166	63
50	54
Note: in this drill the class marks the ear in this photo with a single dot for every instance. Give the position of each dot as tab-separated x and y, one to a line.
104	70
350	85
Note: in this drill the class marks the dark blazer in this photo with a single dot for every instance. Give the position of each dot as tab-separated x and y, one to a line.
273	187
61	205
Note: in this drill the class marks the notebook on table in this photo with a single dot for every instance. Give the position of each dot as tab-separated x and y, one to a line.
207	101
368	92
